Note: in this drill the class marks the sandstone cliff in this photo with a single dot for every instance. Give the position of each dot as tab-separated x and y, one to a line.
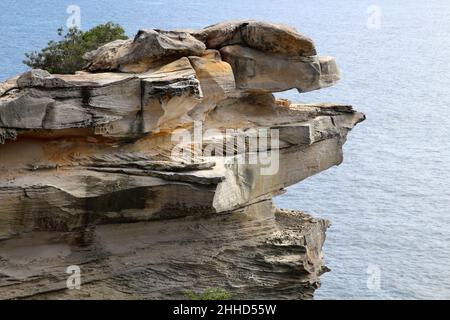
179	133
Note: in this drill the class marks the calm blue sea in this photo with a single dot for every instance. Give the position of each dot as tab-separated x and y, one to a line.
389	202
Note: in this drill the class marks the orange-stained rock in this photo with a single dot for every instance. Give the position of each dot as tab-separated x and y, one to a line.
167	165
215	76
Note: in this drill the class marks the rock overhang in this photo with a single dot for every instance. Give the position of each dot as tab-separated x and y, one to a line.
96	147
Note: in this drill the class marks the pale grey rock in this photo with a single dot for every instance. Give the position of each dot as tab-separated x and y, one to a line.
256	71
78	106
148	48
263	36
40	78
256	253
23	111
141	162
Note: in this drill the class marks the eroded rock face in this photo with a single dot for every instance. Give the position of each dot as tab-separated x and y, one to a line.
259	252
263	36
179	133
256	71
148	48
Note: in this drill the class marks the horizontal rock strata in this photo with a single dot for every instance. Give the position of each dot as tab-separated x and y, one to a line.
83	155
253	252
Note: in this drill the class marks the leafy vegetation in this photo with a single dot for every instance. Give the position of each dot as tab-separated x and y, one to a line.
65	56
209	294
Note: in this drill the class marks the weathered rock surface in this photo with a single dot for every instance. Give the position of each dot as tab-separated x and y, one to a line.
148	48
263	36
183	137
256	71
253	252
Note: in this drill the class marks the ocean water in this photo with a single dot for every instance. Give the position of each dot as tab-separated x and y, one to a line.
389	202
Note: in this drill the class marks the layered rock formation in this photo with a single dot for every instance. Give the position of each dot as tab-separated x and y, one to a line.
179	133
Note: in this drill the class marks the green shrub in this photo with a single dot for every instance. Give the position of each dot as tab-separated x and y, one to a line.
65	56
209	294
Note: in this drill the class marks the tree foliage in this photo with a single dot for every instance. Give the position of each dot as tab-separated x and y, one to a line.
65	56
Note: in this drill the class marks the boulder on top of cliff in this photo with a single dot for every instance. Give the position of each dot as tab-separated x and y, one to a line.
256	71
263	36
149	47
162	80
40	78
105	58
176	130
152	47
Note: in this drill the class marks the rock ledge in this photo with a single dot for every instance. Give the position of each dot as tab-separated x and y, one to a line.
84	155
